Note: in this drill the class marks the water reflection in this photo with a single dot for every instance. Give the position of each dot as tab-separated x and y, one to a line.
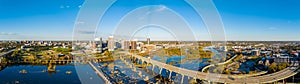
38	74
134	71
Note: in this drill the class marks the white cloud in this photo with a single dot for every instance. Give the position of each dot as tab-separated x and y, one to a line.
85	31
157	9
9	33
272	28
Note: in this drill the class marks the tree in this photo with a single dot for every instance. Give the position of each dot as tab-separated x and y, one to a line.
273	67
107	53
238	57
237	65
15	53
227	71
283	66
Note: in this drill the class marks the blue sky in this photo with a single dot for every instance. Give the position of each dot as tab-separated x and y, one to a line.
38	19
243	19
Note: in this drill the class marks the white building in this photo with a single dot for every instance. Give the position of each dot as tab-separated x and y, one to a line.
111	43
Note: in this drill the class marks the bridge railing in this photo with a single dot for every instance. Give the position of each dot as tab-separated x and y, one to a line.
223	78
100	73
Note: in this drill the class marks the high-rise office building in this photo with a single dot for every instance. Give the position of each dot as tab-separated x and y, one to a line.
130	45
133	45
98	44
111	43
90	43
148	40
126	45
122	44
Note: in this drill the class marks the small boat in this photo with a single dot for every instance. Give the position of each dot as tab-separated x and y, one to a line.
44	70
68	72
23	71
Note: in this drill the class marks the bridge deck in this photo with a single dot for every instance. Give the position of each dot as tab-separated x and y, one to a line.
224	78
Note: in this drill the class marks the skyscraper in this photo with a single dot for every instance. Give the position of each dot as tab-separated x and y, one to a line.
133	45
111	43
130	45
123	44
99	44
148	40
126	45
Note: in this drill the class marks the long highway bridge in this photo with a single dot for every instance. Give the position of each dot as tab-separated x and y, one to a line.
214	77
222	78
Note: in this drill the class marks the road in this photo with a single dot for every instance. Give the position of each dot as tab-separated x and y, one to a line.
224	78
4	53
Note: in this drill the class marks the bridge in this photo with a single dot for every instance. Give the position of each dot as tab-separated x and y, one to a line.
234	76
221	78
5	53
100	73
223	63
269	78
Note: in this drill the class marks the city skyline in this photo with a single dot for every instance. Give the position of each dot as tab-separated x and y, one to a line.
243	21
149	41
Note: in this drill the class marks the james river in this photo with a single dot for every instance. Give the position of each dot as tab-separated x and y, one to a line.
116	71
66	74
37	74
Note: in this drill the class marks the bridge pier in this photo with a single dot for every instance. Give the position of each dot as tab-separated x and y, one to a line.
136	60
170	75
182	77
195	80
160	70
153	66
147	64
134	69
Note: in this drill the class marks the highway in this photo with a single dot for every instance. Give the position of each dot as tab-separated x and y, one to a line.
224	78
223	63
4	53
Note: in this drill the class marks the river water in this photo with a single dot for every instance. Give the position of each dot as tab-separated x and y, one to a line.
38	74
118	71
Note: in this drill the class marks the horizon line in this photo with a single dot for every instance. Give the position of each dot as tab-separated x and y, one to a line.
140	40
